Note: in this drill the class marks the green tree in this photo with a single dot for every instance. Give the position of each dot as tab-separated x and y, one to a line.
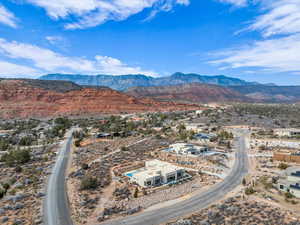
4	144
16	157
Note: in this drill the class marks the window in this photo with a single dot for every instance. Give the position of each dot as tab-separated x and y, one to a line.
179	174
148	183
171	178
157	181
281	186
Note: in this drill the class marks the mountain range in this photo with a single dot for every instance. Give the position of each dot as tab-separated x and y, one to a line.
188	87
23	98
189	93
205	93
124	82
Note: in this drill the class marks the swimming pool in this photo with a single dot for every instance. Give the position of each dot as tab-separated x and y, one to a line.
129	174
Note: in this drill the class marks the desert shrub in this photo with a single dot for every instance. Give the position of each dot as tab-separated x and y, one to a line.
77	143
5	186
124	148
16	157
288	195
88	183
136	193
4	144
283	166
26	141
249	191
2	193
18	169
84	166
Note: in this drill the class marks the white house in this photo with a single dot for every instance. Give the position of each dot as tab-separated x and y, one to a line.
156	173
187	149
196	127
291	183
198	112
287	132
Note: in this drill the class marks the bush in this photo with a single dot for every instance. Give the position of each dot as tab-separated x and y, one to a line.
249	191
124	149
78	134
84	166
262	147
6	186
77	143
64	122
2	193
4	145
283	166
26	141
88	183
288	195
18	169
136	193
244	182
16	157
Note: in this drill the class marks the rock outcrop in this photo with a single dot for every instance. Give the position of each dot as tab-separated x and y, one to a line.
24	98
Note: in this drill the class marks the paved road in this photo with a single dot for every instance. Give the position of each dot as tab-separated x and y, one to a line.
200	201
56	204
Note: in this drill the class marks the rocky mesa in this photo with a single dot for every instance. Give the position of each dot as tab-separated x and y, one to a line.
44	99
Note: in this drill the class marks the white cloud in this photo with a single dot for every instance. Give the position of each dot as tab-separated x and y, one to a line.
239	3
109	65
280	55
54	39
90	13
280	17
50	61
7	17
279	51
11	70
165	6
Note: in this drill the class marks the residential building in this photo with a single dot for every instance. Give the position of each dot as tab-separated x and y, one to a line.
199	112
156	173
196	127
290	183
287	156
187	149
287	132
203	136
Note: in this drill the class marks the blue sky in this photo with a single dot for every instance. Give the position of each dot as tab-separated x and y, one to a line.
256	40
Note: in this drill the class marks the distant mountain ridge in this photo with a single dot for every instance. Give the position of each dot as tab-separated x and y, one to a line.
205	93
189	93
268	93
124	82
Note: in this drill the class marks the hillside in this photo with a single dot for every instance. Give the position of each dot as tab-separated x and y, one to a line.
194	92
41	99
263	93
127	81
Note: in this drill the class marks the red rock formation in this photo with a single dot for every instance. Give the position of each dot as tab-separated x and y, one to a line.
18	99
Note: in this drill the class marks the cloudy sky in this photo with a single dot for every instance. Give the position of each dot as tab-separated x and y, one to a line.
250	39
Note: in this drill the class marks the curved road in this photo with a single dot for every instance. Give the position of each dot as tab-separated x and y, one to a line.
56	204
197	202
56	208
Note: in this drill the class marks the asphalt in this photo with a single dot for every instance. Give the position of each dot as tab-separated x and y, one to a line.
56	203
199	201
